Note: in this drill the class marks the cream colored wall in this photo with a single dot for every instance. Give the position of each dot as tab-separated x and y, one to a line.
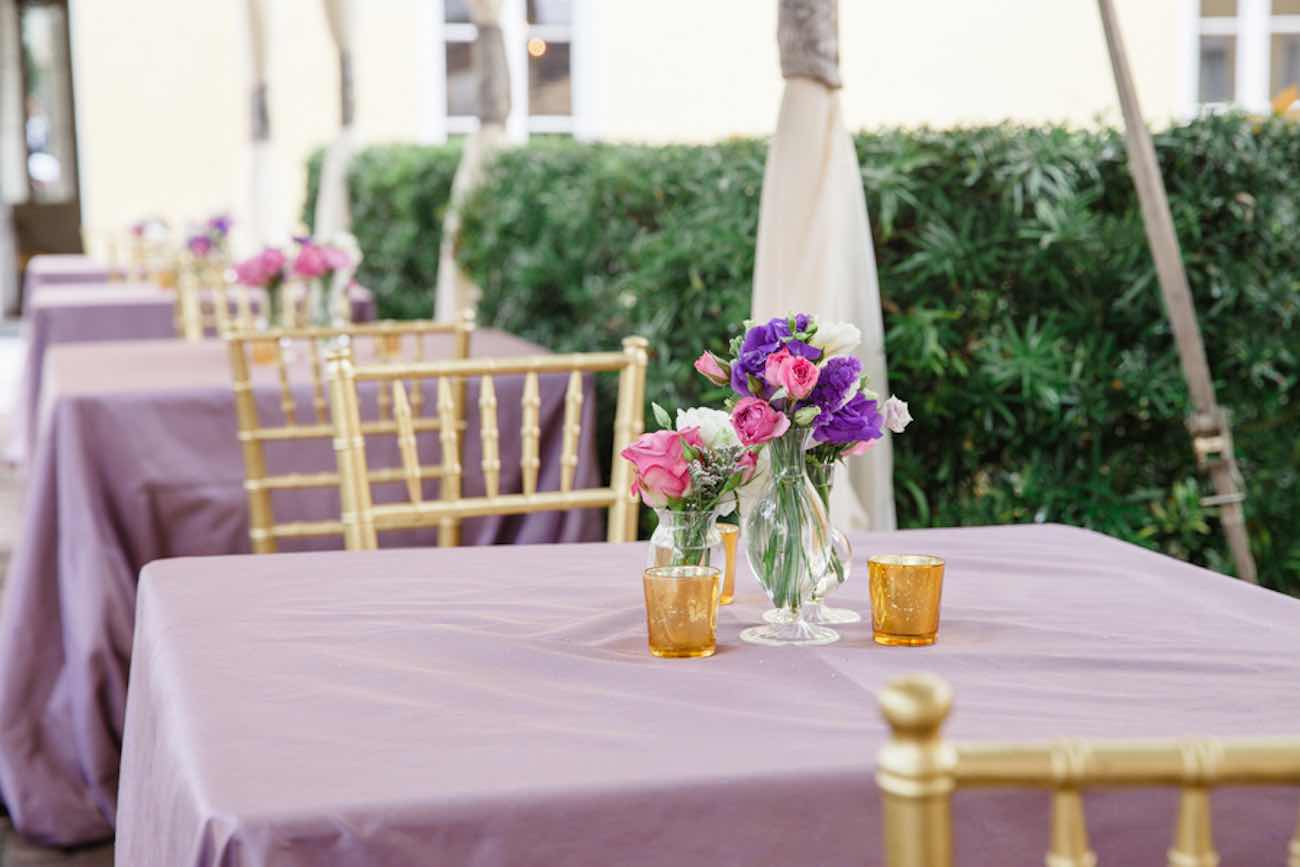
163	108
163	112
701	71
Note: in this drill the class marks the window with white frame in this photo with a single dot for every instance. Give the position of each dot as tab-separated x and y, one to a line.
1247	51
538	38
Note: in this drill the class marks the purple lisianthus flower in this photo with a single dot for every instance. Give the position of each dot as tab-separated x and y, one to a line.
220	224
859	420
200	245
781	324
837	379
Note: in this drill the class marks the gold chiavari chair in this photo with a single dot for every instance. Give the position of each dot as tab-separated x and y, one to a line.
385	341
363	519
918	771
207	302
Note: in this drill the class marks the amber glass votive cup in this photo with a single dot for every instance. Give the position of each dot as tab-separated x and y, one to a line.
905	594
264	352
681	610
730	533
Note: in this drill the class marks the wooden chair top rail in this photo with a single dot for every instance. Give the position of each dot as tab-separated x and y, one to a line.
380	328
595	362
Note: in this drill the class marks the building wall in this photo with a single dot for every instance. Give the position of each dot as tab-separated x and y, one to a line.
162	84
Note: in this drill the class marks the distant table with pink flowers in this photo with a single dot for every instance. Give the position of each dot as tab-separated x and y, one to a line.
86	312
497	706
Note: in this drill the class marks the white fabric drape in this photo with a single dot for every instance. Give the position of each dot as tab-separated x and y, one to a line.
815	255
13	171
260	171
456	291
333	214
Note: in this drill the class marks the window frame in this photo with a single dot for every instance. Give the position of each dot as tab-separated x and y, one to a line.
1253	27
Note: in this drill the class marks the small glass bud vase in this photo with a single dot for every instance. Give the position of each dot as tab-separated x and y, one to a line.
685	538
787	539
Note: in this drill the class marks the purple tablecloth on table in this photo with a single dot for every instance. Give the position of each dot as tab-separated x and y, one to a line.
86	314
63	270
498	707
140	461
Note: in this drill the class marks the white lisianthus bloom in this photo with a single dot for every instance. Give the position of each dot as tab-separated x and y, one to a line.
836	338
714	424
897	416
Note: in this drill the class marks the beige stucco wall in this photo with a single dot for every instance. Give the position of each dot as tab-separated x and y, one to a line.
163	111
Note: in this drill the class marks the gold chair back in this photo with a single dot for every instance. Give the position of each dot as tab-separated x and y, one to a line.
363	519
387	342
918	771
206	301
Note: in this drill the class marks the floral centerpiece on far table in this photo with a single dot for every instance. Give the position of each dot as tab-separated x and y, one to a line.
326	268
690	473
266	271
795	386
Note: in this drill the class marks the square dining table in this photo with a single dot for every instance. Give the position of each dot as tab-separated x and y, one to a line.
86	312
498	706
139	460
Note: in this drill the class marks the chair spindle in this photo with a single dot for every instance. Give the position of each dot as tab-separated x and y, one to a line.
448	529
530	432
287	404
572	431
318	385
406	442
1069	846
1193	838
487	410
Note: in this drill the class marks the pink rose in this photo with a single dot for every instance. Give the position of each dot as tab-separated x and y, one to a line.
310	262
708	365
747	464
756	422
772	372
897	416
272	261
335	258
661	469
798	375
860	448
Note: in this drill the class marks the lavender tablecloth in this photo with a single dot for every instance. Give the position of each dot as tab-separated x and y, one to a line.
94	313
498	707
64	270
140	461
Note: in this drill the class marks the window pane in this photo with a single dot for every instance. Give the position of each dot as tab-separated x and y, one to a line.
1218	8
456	11
49	111
1285	62
550	11
1286	7
548	78
462	84
1218	82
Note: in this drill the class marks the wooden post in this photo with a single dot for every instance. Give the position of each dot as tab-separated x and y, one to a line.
915	773
1208	424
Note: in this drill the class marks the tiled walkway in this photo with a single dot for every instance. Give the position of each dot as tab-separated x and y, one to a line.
14	851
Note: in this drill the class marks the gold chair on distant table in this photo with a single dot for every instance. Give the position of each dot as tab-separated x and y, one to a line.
918	771
386	342
362	519
204	296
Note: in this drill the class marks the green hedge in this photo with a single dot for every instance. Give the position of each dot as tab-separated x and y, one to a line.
1023	317
398	195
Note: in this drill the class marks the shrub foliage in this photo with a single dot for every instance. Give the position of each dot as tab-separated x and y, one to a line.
1023	316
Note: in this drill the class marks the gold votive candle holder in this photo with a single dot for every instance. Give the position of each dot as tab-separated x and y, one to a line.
905	595
730	533
681	610
264	352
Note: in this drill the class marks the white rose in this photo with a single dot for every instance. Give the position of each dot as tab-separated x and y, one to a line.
897	416
836	338
714	424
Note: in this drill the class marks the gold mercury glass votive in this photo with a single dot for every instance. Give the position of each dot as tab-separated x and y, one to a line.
905	593
681	610
730	533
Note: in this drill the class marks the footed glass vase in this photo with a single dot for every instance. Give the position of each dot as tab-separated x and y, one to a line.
685	538
788	541
821	474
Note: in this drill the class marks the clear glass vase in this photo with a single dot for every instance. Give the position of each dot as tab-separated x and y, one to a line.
685	538
821	473
788	541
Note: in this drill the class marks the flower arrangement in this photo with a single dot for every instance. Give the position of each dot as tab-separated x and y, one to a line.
214	236
265	271
690	472
327	267
799	392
